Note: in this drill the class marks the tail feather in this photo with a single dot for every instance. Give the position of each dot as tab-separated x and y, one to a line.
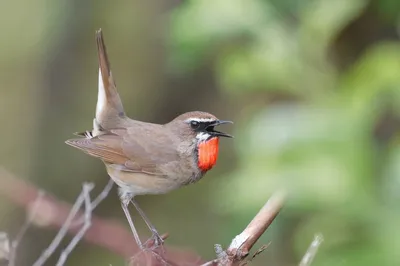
87	134
109	107
109	104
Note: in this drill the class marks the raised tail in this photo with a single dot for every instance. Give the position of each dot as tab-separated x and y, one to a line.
109	105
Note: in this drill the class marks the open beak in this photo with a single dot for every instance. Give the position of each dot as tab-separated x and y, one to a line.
214	132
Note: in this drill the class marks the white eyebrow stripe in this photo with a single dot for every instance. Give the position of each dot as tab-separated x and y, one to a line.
200	119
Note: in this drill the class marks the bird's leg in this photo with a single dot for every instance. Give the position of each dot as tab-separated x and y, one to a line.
156	236
124	205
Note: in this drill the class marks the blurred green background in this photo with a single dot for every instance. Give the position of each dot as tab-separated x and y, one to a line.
313	88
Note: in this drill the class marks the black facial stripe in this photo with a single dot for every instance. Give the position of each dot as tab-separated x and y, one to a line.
201	126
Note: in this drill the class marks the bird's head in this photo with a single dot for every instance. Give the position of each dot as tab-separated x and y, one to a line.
199	127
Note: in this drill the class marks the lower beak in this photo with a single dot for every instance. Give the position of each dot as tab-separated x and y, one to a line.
221	134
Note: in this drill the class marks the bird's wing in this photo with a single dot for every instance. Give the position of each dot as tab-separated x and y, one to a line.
127	150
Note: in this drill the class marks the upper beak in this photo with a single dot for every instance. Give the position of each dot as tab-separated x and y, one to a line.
221	122
218	133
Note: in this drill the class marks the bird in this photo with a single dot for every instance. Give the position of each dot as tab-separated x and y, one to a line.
147	158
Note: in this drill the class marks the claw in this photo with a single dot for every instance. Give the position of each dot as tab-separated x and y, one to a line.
158	241
155	241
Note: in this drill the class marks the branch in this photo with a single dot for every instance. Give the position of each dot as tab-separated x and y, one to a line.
242	243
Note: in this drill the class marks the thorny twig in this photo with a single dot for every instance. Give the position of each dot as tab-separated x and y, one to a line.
312	250
28	222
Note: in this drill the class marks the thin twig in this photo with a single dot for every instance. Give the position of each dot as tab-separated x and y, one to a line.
103	194
259	251
28	222
87	187
86	218
63	231
312	250
93	205
4	246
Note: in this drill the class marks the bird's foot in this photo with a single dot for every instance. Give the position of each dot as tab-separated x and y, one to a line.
158	240
149	254
154	241
153	247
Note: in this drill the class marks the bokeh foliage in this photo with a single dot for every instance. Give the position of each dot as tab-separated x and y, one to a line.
316	136
313	87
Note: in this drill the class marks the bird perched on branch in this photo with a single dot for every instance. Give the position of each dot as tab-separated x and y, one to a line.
146	158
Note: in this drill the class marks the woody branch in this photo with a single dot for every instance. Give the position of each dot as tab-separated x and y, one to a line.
241	245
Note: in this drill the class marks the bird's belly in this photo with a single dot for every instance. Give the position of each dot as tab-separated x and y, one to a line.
141	184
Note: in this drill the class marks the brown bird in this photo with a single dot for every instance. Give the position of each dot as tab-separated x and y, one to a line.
146	158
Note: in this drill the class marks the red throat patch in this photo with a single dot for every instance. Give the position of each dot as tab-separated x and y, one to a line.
207	154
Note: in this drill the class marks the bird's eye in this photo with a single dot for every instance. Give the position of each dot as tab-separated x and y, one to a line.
194	124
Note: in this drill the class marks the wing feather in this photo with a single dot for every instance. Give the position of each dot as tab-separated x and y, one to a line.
125	148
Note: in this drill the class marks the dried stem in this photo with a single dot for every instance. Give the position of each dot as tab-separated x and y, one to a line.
102	195
63	231
87	187
312	250
4	246
28	222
